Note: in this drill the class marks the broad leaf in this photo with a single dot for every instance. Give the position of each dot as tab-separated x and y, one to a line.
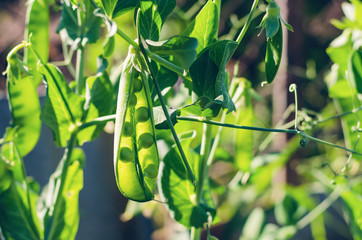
165	78
63	108
160	118
244	138
340	49
88	32
177	190
60	214
100	99
203	107
274	48
205	26
153	15
355	69
124	6
253	225
18	220
208	73
24	105
37	26
181	48
352	201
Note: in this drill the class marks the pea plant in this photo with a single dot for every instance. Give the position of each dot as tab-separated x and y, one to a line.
175	110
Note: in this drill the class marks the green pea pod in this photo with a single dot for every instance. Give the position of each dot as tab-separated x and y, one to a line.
136	160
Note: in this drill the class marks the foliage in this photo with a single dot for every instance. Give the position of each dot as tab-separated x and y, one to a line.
154	74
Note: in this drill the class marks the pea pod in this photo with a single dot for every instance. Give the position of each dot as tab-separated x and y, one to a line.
136	160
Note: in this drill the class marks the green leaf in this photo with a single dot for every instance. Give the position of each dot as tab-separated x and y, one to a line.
341	89
124	6
18	220
153	15
203	107
108	46
355	69
273	55
37	26
253	225
160	118
63	109
352	201
181	48
100	99
165	78
340	49
244	138
109	6
60	215
205	26
285	210
24	106
176	188
209	75
87	32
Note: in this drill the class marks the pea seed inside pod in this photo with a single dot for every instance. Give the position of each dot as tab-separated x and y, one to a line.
142	114
133	100
128	129
151	171
126	154
145	140
137	85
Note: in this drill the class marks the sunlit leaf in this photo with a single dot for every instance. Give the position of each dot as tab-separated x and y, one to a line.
182	49
24	106
60	215
273	55
177	189
355	69
63	108
205	26
208	73
18	220
153	15
37	33
87	30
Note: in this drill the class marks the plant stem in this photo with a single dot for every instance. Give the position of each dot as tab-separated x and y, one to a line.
203	170
319	209
194	119
248	21
79	71
99	120
292	131
168	119
79	67
59	193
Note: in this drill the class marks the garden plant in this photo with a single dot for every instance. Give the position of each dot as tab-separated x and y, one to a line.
179	115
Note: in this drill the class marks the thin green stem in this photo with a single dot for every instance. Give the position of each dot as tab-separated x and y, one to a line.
168	119
79	70
204	155
59	193
248	21
319	209
293	88
97	121
228	125
292	131
337	116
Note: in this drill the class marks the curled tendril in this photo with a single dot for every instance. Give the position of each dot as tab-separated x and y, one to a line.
293	87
